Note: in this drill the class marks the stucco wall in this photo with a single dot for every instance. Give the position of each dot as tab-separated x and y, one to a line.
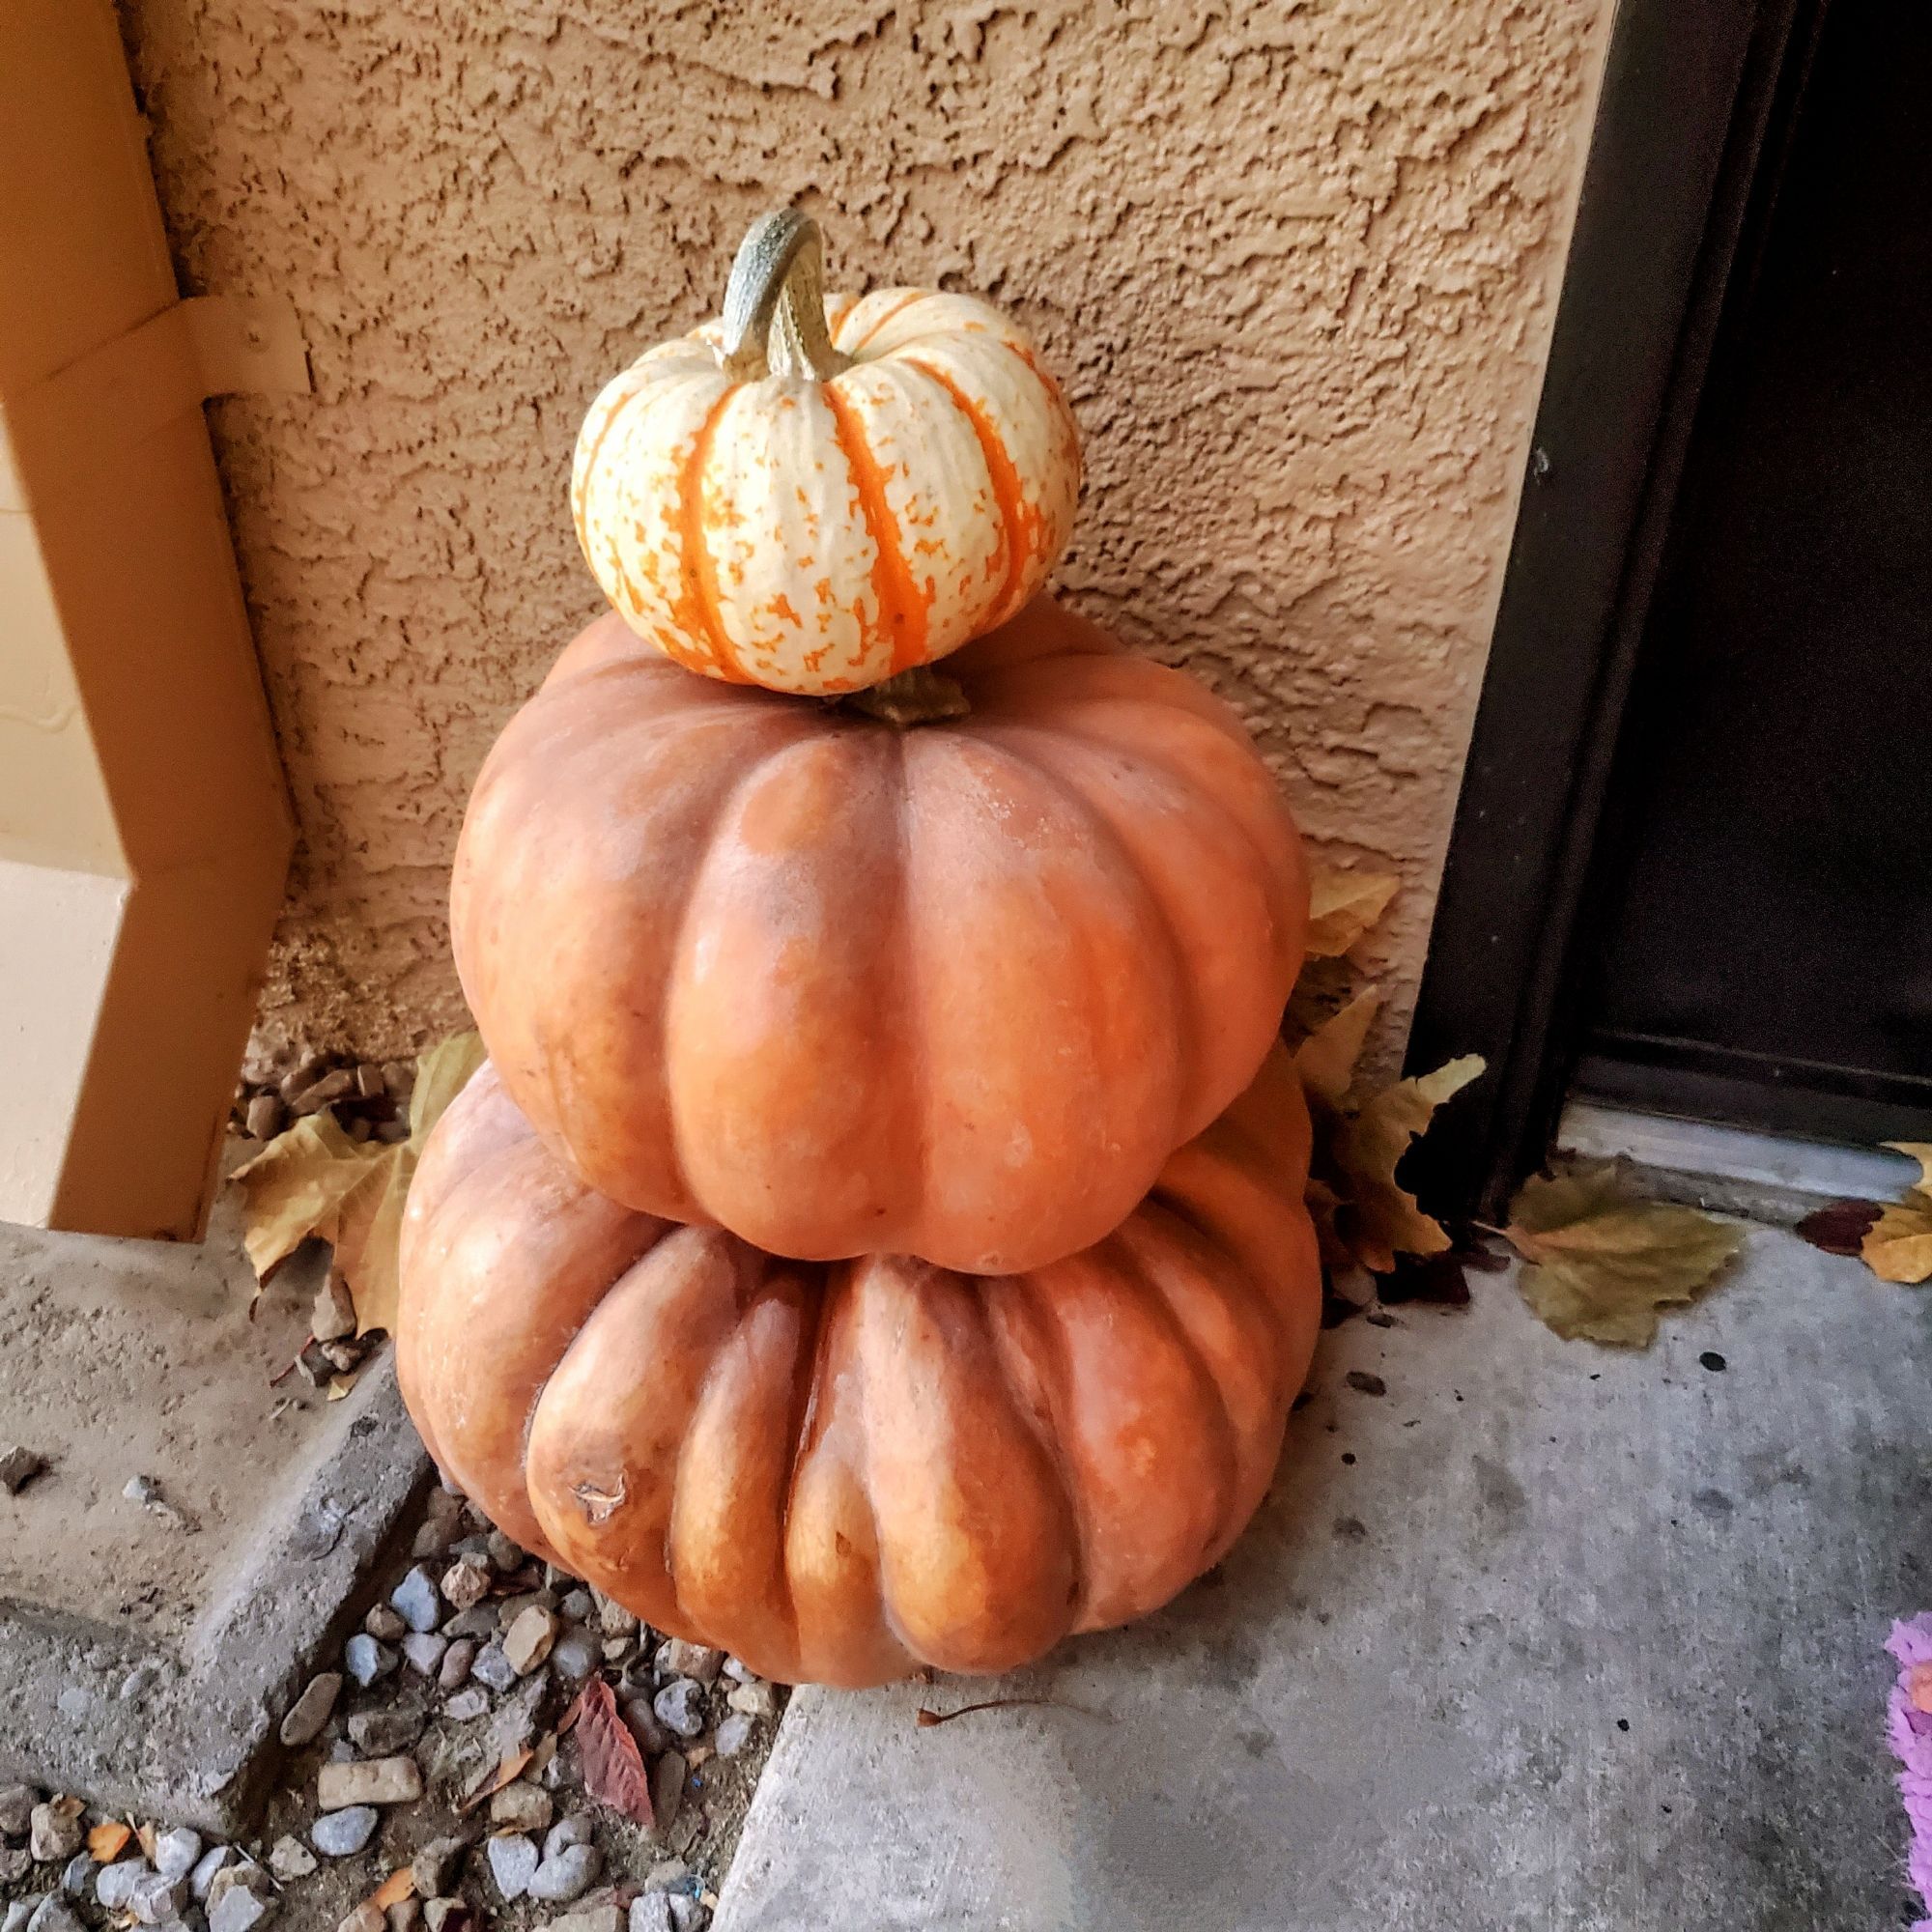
1296	264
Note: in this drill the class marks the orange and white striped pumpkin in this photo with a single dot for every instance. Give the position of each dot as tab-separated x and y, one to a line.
815	493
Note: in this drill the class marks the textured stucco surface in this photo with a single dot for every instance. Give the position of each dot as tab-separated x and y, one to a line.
1295	263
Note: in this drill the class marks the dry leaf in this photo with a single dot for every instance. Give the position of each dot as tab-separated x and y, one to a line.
1899	1246
108	1840
1606	1261
1378	1218
314	1180
613	1768
400	1883
1341	906
1840	1227
509	1768
1326	1058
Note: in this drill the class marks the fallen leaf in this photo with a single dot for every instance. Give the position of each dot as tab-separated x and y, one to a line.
1377	1218
509	1768
400	1883
1326	1058
1341	906
314	1180
1840	1228
1605	1262
108	1840
339	1386
1437	1279
1899	1246
613	1767
147	1836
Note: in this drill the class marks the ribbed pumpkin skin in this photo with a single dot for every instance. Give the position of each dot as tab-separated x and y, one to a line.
819	536
955	991
840	1471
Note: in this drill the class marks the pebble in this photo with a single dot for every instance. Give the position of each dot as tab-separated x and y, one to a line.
384	1623
331	1316
366	1660
341	1834
239	1910
423	1652
521	1807
15	1864
467	1582
680	1707
678	1658
479	1623
366	1917
607	1916
322	1093
142	1490
756	1698
642	1721
417	1601
735	1733
18	1468
492	1666
405	1916
16	1810
51	1914
436	1864
574	1657
176	1852
503	1553
577	1604
686	1914
736	1666
453	1672
384	1733
18	1913
264	1118
571	1830
437	1912
434	1538
376	1780
290	1858
513	1863
651	1912
311	1710
617	1648
117	1882
616	1620
79	1874
158	1899
201	1879
667	1776
529	1639
467	1706
568	1876
53	1831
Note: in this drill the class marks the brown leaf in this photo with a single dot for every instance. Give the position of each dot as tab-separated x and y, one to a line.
1326	1058
108	1840
1605	1262
1341	906
1840	1227
1378	1217
509	1768
400	1883
1899	1246
613	1767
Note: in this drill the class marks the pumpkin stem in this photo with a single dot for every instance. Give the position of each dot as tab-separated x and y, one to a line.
775	303
921	695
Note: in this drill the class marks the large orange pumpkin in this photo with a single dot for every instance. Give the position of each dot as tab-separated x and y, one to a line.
848	988
840	1470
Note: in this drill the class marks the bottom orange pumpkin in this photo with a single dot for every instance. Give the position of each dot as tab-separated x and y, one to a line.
841	1470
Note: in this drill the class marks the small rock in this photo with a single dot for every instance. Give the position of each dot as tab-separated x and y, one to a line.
568	1876
615	1619
756	1698
453	1672
651	1912
53	1831
572	1829
376	1780
607	1916
369	1080
516	1721
493	1667
322	1093
366	1917
246	1876
333	1316
18	1913
667	1873
52	1914
405	1916
513	1863
737	1668
678	1658
423	1651
529	1639
735	1733
521	1807
574	1657
688	1914
201	1879
289	1859
467	1706
176	1852
577	1604
667	1776
439	1913
383	1733
15	1864
384	1623
79	1874
18	1468
311	1710
1365	1383
16	1810
366	1660
341	1834
264	1118
680	1707
417	1601
642	1721
617	1648
116	1883
142	1490
503	1553
436	1865
239	1910
465	1582
481	1621
158	1899
433	1539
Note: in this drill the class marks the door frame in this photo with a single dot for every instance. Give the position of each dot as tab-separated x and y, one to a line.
1692	97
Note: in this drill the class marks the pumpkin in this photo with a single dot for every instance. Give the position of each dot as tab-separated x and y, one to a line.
814	493
839	1471
846	986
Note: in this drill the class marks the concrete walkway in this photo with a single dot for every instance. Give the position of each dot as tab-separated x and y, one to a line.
1546	1638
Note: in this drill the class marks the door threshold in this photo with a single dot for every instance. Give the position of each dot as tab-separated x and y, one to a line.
1734	1169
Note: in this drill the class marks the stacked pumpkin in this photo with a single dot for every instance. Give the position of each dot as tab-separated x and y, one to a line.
877	1239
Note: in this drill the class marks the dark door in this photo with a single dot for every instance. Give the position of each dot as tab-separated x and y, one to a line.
1761	906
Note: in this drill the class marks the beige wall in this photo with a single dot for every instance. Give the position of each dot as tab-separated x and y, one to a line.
1296	263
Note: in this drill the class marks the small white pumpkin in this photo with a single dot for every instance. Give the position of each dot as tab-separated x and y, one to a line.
815	493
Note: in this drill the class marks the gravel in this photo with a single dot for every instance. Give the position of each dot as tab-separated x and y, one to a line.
529	1639
54	1830
568	1875
521	1807
201	1879
423	1652
436	1865
678	1658
377	1780
576	1655
117	1882
734	1734
492	1666
467	1706
176	1852
289	1859
18	1468
239	1910
680	1707
79	1874
311	1710
467	1582
366	1658
16	1809
381	1733
513	1863
340	1835
417	1601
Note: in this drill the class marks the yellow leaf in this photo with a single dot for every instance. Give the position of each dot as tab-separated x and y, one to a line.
1341	906
442	1074
1380	1218
108	1840
400	1883
296	1186
1898	1244
1326	1058
1605	1262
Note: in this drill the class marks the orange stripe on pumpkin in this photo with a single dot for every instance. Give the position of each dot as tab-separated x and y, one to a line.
899	308
697	608
904	609
1023	525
